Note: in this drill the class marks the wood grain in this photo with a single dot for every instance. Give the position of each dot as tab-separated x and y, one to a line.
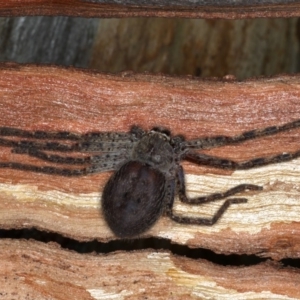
52	98
33	270
213	9
177	46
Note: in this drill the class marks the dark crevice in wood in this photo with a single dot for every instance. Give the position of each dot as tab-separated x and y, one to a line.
290	262
132	245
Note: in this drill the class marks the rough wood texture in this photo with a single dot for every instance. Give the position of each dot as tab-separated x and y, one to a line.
51	98
229	9
32	270
177	46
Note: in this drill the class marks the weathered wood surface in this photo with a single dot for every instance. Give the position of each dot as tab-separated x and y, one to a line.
33	270
51	98
177	46
229	9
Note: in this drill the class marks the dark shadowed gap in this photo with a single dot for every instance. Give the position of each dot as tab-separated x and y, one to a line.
132	245
291	262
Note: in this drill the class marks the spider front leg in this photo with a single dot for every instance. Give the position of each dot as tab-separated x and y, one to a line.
221	163
221	140
180	184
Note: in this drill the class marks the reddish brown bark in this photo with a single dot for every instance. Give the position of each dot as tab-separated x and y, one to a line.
214	9
51	98
33	270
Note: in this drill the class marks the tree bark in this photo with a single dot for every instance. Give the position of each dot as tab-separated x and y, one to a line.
55	99
229	9
174	46
45	271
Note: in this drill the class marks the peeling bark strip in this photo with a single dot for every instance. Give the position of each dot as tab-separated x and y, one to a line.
228	9
59	99
45	271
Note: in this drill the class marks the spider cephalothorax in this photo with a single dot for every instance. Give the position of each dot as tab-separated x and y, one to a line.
147	168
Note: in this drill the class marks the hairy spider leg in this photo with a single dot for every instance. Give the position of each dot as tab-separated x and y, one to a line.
60	135
212	197
199	220
205	221
217	162
87	145
218	141
39	134
51	146
110	145
48	169
34	152
100	163
221	163
96	163
89	142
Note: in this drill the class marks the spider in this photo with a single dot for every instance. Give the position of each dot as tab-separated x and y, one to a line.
147	168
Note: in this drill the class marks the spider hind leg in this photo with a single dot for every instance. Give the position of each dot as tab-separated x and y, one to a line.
212	197
205	221
205	199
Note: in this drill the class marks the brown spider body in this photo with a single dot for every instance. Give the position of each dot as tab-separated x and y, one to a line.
135	196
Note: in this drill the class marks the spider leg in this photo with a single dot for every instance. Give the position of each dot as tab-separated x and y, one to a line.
34	152
221	163
205	221
101	166
48	169
217	141
100	163
97	163
113	149
89	142
39	134
212	197
51	146
202	221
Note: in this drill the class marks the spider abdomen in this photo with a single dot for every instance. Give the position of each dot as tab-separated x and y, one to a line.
132	199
